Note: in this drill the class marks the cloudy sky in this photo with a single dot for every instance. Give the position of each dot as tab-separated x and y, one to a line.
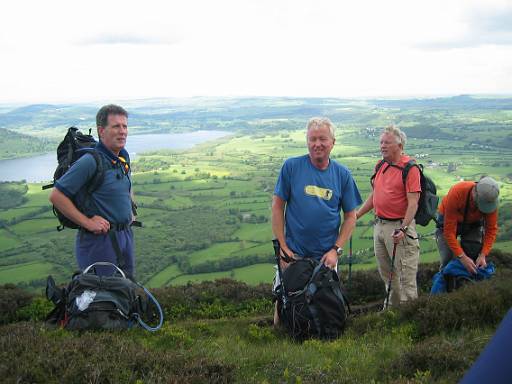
71	51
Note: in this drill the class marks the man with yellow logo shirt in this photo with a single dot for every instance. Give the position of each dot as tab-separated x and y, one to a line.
310	194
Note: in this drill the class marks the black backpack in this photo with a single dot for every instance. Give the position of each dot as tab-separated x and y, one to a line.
91	301
310	301
427	204
74	146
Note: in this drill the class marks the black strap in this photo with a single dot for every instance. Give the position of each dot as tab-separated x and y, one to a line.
117	249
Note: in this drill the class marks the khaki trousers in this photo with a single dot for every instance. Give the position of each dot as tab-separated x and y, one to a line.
403	285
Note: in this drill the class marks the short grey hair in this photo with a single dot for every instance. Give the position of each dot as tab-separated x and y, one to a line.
317	122
401	137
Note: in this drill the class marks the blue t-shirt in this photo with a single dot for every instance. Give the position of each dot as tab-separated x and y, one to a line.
314	199
111	200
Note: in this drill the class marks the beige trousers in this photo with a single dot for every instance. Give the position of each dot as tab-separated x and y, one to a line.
403	285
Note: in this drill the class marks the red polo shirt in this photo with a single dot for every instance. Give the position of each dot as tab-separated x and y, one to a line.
389	192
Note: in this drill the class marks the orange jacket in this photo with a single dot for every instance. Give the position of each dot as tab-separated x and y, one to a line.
452	207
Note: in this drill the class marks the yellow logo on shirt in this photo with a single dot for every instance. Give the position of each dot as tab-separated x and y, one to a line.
313	190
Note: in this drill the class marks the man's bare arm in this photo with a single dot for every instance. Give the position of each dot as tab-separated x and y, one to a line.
366	207
278	206
95	224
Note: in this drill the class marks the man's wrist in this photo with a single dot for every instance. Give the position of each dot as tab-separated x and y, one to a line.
461	255
339	250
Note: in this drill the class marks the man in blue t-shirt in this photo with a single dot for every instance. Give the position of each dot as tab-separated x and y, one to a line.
110	213
310	193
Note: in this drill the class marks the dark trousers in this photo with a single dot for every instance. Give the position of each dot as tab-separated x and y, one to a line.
91	248
469	234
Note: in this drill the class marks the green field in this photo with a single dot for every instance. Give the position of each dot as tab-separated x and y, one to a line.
254	274
207	210
25	272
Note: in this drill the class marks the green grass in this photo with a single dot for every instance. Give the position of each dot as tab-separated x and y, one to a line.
219	251
162	277
253	274
242	173
184	279
25	272
35	225
7	240
505	246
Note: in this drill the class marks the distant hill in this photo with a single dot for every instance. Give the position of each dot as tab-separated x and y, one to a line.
462	101
13	144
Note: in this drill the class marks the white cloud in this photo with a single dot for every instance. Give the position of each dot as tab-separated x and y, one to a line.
65	51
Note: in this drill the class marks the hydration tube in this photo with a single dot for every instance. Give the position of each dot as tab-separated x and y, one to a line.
160	312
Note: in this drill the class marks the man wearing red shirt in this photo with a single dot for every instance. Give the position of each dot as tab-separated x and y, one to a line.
395	205
469	210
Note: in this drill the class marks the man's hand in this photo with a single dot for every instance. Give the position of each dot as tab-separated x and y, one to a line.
397	235
468	263
97	225
480	261
285	251
330	259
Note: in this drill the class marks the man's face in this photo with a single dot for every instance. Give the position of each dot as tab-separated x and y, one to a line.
320	143
389	146
113	136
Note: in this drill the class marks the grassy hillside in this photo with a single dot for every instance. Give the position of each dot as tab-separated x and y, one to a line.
221	332
207	210
18	144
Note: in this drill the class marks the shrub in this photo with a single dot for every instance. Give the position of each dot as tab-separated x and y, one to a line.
220	298
37	310
483	303
96	357
11	300
439	356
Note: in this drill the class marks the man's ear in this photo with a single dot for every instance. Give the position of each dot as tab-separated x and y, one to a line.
100	131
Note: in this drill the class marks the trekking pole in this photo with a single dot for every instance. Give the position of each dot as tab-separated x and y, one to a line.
277	248
349	262
386	303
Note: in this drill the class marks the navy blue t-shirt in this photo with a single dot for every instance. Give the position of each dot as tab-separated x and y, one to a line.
314	199
111	199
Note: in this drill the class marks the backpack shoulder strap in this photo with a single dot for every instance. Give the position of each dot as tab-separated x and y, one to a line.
377	167
99	175
407	168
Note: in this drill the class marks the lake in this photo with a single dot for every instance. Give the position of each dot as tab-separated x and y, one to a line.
40	168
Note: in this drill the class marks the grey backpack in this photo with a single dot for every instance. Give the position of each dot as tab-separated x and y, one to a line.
91	301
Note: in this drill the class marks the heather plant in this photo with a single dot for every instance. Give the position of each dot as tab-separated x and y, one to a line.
11	300
96	357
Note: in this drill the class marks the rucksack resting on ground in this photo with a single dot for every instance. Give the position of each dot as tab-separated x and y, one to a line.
427	204
310	300
102	302
74	145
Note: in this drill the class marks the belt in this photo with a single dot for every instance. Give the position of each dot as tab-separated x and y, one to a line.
118	227
113	227
387	219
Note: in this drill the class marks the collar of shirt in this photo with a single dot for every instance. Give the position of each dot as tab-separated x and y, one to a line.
115	159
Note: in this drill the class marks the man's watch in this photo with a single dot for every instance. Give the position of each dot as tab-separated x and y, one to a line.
404	228
339	250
